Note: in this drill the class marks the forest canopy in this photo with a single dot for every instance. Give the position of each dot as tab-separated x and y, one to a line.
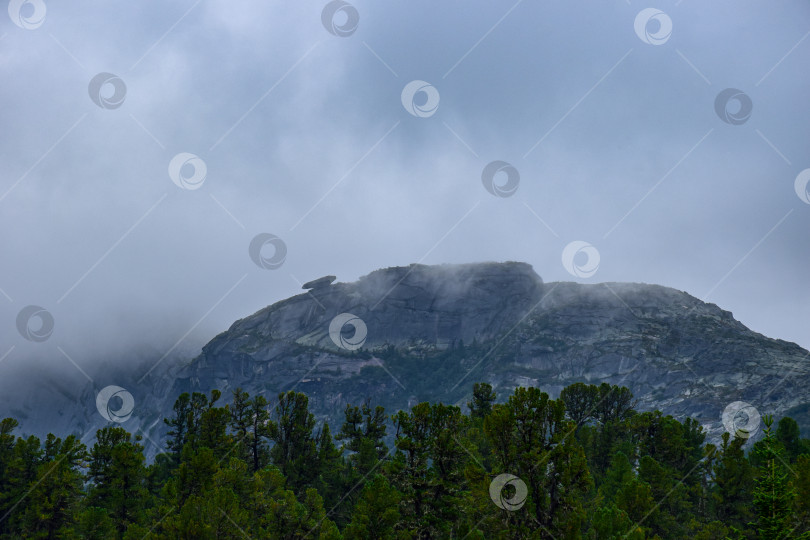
585	465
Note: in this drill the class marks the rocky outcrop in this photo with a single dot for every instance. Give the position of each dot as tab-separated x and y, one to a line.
429	305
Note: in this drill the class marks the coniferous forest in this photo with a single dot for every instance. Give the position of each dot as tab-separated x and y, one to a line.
586	465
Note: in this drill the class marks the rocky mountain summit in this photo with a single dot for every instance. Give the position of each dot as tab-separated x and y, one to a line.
403	335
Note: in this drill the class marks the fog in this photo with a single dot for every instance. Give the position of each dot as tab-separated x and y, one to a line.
305	134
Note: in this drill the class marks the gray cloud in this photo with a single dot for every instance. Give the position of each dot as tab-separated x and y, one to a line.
304	136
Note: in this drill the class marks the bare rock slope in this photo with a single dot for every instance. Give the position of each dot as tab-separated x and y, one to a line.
431	331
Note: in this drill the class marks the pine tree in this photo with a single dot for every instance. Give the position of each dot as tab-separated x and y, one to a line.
22	473
118	476
428	468
635	498
94	523
734	479
580	402
276	513
52	501
531	438
618	474
611	523
9	475
363	434
671	496
773	493
376	513
802	483
193	477
197	422
179	426
240	422
212	427
615	404
295	450
330	482
482	399
259	432
787	433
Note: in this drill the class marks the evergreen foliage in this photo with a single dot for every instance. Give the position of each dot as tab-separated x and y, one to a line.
586	465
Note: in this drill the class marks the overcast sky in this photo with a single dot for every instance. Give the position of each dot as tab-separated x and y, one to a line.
606	113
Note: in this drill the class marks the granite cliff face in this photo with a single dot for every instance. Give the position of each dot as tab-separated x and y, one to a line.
432	331
427	306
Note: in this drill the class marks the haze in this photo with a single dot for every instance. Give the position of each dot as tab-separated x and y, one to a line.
304	136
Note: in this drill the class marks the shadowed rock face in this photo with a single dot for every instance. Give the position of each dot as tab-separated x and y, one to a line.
434	330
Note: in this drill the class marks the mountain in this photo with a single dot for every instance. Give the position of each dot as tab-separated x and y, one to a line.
402	335
430	332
